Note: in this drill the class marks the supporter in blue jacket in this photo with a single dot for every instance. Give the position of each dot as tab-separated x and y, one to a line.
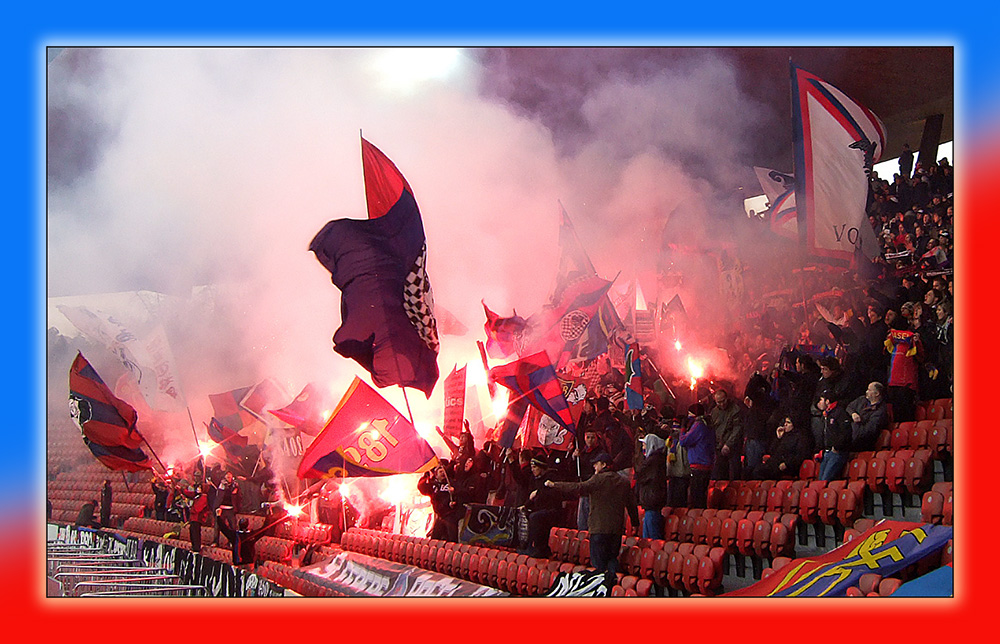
699	441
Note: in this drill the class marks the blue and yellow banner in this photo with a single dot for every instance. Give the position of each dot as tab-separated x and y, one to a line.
886	548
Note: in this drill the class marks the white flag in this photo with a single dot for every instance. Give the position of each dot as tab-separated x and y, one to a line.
147	358
837	141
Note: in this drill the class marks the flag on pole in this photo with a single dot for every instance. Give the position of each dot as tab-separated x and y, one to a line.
534	380
558	327
633	378
147	356
308	412
366	436
543	432
380	266
106	422
837	141
504	336
240	454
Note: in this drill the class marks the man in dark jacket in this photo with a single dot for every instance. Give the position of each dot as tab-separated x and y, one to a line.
86	516
726	420
243	541
106	504
610	498
544	509
869	416
790	447
836	439
447	508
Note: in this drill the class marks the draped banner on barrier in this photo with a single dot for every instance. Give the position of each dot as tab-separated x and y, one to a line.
219	578
358	575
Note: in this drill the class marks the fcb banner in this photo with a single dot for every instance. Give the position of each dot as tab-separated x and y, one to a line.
358	575
837	141
366	436
887	547
454	402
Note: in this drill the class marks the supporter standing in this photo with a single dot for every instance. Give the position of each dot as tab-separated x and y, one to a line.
610	498
544	509
725	420
228	499
904	350
699	441
651	483
106	504
447	509
592	446
835	439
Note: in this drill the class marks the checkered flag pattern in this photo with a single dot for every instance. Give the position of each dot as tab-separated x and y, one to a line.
418	301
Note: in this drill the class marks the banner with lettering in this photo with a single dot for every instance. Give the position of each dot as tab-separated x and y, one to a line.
454	402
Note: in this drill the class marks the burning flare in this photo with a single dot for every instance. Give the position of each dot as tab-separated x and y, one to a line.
696	370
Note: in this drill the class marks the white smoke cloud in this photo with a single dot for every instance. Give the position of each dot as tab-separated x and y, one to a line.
193	167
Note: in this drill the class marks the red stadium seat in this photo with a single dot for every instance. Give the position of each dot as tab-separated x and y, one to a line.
713	531
644	588
868	583
849	507
707	579
762	539
888	586
827	507
775	498
686	527
745	500
660	561
899	438
675	571
935	412
690	573
583	554
646	563
699	531
671	529
917	475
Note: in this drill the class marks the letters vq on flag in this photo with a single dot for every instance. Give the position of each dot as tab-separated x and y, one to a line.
366	436
837	141
106	422
380	266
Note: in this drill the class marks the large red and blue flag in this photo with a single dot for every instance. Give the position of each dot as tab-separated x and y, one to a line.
558	328
380	266
240	455
633	378
534	380
108	424
366	436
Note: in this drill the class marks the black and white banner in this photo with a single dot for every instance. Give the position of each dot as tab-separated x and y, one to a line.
360	576
579	584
